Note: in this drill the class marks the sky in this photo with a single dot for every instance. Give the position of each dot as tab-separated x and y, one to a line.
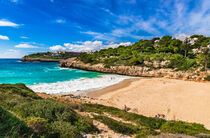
28	26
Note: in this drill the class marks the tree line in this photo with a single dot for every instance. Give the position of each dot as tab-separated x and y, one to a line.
187	53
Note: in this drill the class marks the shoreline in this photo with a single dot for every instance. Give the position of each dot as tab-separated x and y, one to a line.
123	84
78	86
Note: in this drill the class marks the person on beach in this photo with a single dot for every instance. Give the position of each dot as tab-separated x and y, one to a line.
125	108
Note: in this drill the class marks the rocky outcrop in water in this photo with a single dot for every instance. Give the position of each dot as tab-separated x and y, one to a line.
134	70
26	59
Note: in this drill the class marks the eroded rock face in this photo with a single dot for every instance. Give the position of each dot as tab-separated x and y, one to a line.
133	70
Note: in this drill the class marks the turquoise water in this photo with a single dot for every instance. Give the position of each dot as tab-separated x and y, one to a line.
15	71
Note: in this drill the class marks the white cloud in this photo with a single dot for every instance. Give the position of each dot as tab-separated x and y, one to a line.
4	22
92	45
24	37
57	48
11	53
185	19
114	45
134	24
100	36
182	36
171	17
25	45
4	37
60	21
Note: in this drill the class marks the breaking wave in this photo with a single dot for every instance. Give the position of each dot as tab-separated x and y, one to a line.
78	85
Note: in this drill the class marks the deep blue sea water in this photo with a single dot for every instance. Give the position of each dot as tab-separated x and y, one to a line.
15	71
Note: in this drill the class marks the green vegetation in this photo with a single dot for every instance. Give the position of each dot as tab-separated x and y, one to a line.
179	127
23	113
118	127
11	126
144	125
182	55
207	78
124	128
50	55
141	120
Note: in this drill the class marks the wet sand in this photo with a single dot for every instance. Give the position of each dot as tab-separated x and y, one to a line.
177	99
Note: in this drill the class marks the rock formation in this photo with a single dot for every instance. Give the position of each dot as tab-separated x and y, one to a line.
134	70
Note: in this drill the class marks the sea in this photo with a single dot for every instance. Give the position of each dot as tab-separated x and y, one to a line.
48	77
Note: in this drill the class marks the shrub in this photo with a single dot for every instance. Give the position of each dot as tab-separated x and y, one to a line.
181	63
85	125
176	60
187	64
207	78
179	127
19	89
54	111
64	130
110	62
11	126
38	125
50	110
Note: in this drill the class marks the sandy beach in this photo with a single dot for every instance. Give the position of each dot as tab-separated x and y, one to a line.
177	99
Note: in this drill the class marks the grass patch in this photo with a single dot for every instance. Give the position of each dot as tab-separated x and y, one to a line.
150	122
179	127
19	89
123	128
11	126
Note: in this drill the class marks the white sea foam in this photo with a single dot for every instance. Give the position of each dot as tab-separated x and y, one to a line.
79	85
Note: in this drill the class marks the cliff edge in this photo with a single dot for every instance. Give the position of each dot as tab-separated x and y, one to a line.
134	70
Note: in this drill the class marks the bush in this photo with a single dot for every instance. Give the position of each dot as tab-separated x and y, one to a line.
11	126
176	60
179	127
53	111
181	63
50	110
38	125
85	125
187	64
110	62
64	130
19	89
207	78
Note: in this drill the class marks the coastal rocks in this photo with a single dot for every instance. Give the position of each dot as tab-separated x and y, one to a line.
26	59
135	70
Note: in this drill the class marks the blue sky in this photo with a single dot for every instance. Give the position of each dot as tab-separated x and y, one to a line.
28	26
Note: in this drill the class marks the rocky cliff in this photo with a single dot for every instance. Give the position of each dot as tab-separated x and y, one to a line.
26	59
134	70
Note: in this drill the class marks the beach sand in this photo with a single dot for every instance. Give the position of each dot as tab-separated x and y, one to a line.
177	99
